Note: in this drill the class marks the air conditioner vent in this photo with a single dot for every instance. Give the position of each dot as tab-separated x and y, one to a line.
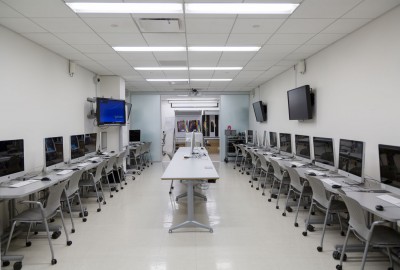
160	25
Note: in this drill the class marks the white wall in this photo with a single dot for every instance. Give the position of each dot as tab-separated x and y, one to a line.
356	83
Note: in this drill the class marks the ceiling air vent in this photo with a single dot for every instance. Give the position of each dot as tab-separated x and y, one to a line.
160	25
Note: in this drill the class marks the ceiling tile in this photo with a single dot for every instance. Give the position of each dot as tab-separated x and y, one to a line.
259	65
80	38
370	9
310	48
311	26
62	48
195	74
123	39
256	26
344	26
232	56
276	49
138	56
104	56
288	63
289	38
112	25
43	38
7	12
171	56
176	74
63	25
226	73
95	67
325	39
206	39
324	8
21	25
203	58
164	39
247	39
200	26
88	48
232	63
41	8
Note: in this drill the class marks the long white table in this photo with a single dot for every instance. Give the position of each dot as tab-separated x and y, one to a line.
192	168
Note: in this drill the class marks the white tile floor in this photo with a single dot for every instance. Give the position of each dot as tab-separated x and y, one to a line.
131	232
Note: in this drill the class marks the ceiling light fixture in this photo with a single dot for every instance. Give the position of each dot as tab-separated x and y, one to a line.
240	8
223	49
169	8
149	49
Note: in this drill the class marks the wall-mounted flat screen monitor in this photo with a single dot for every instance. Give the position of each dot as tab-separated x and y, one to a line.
11	159
389	164
302	144
285	140
351	159
54	151
77	146
110	111
90	143
249	137
134	135
273	140
323	152
260	111
299	103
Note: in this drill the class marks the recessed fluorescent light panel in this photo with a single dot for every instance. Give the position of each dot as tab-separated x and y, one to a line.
150	49
223	49
169	8
240	8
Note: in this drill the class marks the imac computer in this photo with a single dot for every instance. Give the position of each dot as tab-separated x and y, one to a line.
264	141
249	137
11	159
389	165
273	141
134	135
323	153
285	142
302	144
90	144
351	159
77	147
54	153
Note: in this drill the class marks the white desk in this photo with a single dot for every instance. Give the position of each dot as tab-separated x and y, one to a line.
192	168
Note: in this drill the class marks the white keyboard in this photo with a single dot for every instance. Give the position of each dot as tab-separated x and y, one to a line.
318	173
83	164
390	199
93	159
329	182
16	184
297	164
64	172
275	158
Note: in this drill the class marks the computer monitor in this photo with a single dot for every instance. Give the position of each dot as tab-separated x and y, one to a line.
302	144
273	141
249	137
54	152
11	159
90	143
351	159
264	141
285	142
389	164
77	146
103	136
323	153
134	135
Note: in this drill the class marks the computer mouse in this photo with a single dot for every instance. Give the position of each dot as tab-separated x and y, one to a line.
46	179
94	161
336	186
112	151
75	169
312	173
293	166
379	207
273	155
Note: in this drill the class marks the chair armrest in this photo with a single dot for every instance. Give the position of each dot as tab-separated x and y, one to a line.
32	202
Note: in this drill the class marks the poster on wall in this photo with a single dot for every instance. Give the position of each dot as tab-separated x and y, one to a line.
181	126
193	125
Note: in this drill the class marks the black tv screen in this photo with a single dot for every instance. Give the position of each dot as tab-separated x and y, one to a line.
90	143
351	155
11	157
273	141
299	103
389	164
260	111
134	135
77	146
110	111
302	143
285	142
54	150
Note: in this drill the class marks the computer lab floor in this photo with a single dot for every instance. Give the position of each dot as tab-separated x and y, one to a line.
131	232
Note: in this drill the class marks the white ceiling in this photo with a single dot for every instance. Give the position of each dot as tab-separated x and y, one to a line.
285	39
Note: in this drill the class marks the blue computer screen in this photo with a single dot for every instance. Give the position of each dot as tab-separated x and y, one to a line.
110	111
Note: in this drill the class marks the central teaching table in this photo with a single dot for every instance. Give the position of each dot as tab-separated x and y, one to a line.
192	168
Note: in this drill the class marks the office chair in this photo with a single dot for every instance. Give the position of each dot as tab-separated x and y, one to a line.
266	170
109	170
136	157
94	181
328	204
281	178
238	155
376	234
71	191
119	167
245	160
255	162
298	188
40	214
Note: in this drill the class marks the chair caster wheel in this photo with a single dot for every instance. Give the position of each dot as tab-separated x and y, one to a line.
85	213
263	194
249	181
304	207
133	178
277	207
73	231
310	228
6	263
55	235
296	224
336	255
289	209
257	188
53	261
116	190
84	219
28	244
111	196
274	196
269	200
69	243
52	220
313	213
319	249
98	209
284	214
304	233
247	173
104	202
342	233
17	266
170	192
242	173
338	267
251	185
